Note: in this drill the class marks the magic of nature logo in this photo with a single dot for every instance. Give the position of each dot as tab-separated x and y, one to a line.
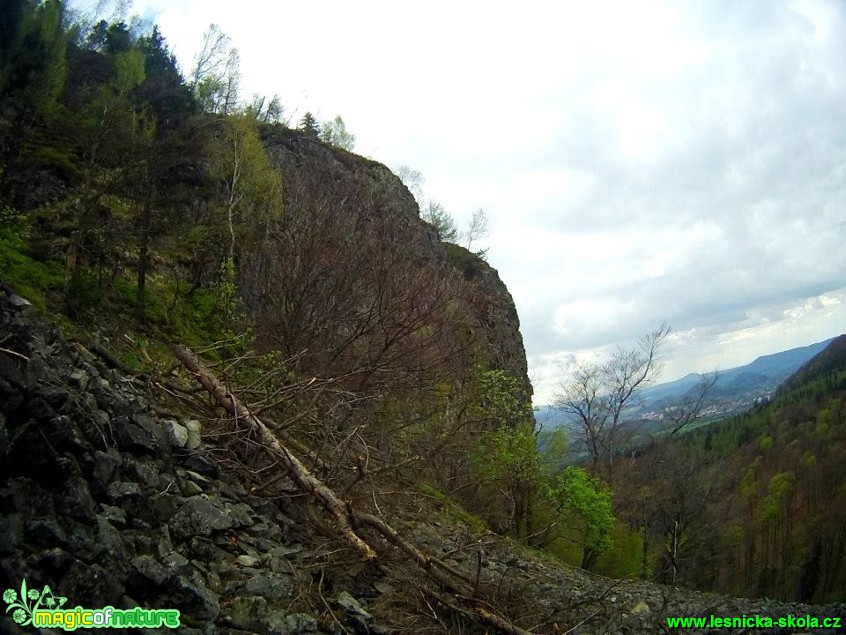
44	609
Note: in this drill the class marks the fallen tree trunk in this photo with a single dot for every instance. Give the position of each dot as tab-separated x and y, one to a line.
298	472
450	579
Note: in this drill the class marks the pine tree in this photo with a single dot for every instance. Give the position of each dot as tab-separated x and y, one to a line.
310	126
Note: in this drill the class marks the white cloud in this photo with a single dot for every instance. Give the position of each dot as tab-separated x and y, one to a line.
638	161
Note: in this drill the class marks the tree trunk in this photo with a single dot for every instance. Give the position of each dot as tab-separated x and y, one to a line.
298	472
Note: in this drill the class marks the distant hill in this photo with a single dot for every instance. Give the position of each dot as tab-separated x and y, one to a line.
735	391
736	388
830	361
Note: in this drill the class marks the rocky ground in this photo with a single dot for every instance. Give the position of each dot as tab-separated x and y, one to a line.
110	502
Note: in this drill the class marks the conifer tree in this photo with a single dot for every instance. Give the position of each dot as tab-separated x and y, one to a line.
310	126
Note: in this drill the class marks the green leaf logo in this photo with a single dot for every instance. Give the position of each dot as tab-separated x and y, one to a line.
30	600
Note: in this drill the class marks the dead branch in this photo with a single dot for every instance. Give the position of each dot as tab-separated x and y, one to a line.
457	584
297	471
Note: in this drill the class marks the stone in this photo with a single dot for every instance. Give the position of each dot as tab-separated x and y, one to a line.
30	498
18	302
190	488
287	552
79	379
199	516
105	467
11	532
62	433
351	605
96	425
247	561
41	409
165	544
115	515
151	569
91	585
194	429
109	538
213	581
280	623
383	588
121	490
176	562
641	608
76	500
205	550
271	586
247	613
56	396
190	594
144	472
200	464
241	513
5	443
46	532
177	433
197	478
132	437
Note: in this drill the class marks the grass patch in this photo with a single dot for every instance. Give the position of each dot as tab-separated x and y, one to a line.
30	278
91	303
451	512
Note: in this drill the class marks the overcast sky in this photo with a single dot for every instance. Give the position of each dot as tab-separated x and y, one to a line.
638	161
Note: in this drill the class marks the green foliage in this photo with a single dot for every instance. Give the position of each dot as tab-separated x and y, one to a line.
32	58
228	302
129	71
249	188
310	126
766	443
585	502
435	214
624	558
34	280
335	132
468	263
780	495
452	512
552	445
777	490
749	483
507	453
217	74
502	400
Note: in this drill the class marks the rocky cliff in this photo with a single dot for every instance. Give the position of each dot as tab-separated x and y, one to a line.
368	219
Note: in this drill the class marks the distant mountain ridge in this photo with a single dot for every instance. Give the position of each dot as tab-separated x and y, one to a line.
830	360
735	391
762	375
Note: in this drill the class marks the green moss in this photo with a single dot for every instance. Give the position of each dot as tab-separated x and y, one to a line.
451	512
468	263
30	278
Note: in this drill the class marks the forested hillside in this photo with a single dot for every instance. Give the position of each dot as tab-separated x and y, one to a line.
753	505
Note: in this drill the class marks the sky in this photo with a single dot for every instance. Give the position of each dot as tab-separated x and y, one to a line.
638	162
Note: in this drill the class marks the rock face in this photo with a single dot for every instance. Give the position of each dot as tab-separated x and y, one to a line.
496	313
367	200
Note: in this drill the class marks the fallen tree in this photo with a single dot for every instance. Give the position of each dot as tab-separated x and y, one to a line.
460	587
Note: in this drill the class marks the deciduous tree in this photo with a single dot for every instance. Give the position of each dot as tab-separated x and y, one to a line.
595	394
335	132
